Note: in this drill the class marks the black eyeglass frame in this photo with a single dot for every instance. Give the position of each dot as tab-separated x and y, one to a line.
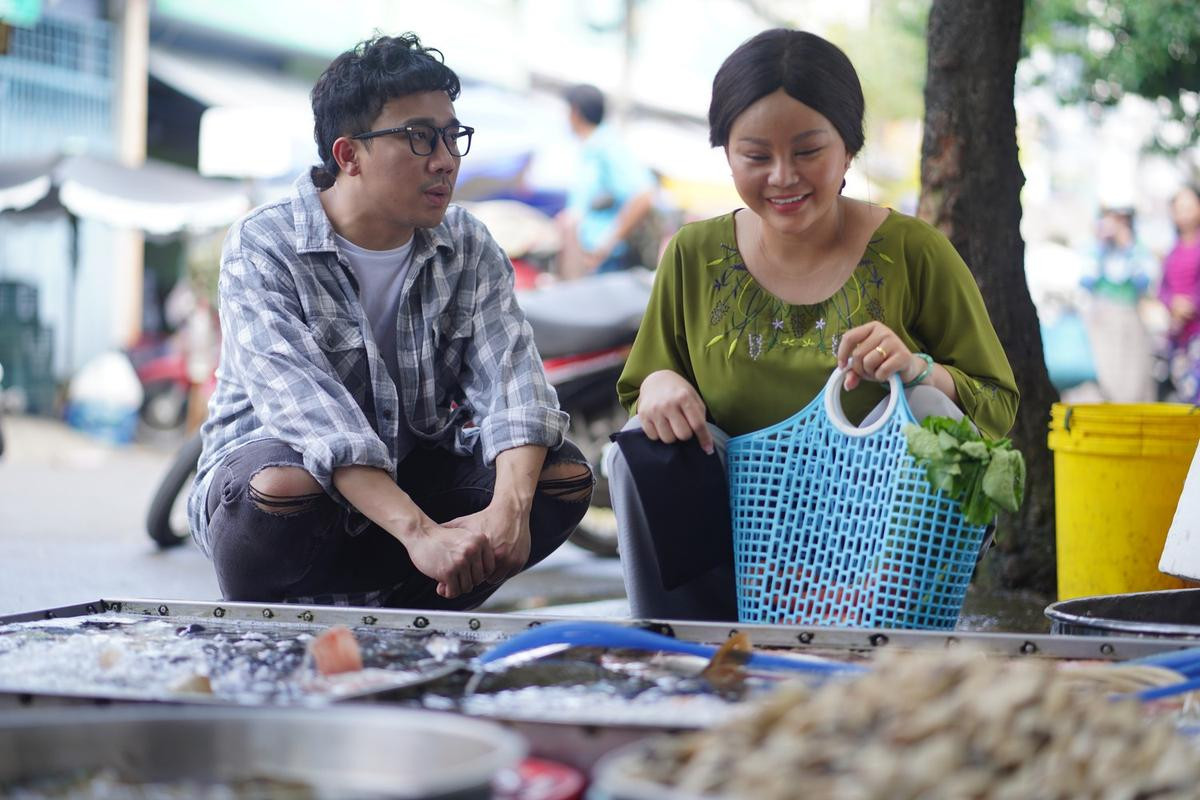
440	133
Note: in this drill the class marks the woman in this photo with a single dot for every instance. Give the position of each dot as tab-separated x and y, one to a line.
1180	293
751	311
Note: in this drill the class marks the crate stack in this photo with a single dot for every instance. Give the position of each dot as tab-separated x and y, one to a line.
26	350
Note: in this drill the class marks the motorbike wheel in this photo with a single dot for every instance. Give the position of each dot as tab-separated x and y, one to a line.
165	405
166	522
597	531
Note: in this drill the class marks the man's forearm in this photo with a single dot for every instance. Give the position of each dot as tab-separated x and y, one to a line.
632	213
517	473
373	492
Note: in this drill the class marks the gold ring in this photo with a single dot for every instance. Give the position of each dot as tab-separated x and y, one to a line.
881	352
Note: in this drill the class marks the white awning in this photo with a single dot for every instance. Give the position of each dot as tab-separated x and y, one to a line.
157	198
258	123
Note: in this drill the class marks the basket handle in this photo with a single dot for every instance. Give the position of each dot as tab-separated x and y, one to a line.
837	414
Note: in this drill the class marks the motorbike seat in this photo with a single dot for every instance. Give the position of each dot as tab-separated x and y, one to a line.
593	313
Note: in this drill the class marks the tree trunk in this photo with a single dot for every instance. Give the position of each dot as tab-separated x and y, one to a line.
970	190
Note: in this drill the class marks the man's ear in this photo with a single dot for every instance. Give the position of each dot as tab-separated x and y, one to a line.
345	153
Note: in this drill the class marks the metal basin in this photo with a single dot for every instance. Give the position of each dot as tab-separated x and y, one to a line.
1174	614
338	752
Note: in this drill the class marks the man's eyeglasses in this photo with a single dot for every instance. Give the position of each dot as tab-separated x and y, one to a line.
422	139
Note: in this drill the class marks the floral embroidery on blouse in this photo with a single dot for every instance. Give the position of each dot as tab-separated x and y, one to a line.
745	312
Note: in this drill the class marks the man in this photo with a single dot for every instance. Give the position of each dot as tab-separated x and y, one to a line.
612	196
382	432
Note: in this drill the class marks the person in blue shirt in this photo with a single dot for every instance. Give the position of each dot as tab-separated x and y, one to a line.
612	194
1116	279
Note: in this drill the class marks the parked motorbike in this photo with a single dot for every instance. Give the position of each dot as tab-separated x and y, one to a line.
583	329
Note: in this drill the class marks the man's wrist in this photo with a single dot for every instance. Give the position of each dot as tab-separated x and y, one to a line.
513	501
406	527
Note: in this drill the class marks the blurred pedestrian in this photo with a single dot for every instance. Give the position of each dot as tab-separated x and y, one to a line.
1180	293
1116	279
612	195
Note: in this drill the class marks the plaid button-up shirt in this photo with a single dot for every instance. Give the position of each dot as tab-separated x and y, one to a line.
299	362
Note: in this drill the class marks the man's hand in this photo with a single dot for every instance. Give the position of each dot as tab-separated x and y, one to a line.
458	558
506	530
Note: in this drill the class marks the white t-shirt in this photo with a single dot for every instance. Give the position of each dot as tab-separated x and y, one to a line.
380	275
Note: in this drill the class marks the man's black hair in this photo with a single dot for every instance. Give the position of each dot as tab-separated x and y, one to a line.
588	101
351	92
807	67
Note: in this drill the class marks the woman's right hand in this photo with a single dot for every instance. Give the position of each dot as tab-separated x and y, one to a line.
670	410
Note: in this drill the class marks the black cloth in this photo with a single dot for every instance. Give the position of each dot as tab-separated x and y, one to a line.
685	497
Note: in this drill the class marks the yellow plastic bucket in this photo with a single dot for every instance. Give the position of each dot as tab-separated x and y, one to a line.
1118	473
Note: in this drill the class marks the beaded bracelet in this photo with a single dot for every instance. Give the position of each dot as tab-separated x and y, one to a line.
928	359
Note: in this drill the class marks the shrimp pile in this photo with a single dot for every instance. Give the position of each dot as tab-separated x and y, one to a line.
952	725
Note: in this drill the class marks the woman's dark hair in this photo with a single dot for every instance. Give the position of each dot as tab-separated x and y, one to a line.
588	101
353	89
804	65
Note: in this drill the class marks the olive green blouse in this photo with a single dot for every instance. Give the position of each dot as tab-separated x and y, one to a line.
757	360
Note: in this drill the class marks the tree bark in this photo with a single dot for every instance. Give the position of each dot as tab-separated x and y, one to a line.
970	190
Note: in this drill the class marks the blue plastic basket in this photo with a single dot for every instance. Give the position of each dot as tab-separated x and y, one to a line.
837	525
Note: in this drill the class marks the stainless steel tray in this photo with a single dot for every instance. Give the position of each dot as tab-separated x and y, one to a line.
482	629
495	627
581	742
343	752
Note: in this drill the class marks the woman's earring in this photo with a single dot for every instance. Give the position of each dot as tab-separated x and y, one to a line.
843	186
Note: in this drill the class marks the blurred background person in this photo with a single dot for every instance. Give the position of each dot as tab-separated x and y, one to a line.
612	194
1180	293
1116	279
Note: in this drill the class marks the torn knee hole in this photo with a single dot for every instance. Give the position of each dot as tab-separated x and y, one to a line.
571	482
282	506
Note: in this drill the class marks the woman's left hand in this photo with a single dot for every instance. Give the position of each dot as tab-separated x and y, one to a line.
874	352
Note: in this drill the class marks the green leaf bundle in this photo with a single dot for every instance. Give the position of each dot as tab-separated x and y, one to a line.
985	475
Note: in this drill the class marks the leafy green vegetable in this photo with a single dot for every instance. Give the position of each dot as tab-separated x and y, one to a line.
985	475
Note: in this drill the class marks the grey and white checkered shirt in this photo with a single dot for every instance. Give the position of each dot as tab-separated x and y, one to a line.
299	363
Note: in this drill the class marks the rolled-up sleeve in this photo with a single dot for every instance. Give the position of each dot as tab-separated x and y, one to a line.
503	379
288	378
955	327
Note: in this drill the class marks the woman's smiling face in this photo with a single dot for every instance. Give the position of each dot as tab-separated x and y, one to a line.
788	162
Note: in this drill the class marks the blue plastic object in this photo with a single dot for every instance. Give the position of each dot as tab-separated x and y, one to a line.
604	634
837	525
1068	351
1159	692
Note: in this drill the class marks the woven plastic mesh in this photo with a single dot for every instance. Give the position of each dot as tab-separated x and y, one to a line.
835	529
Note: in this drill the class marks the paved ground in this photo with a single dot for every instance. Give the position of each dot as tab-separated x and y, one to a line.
72	530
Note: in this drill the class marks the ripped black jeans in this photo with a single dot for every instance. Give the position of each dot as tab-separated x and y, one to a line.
307	556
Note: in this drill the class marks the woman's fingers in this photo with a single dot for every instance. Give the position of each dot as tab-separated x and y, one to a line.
872	352
680	425
697	422
658	428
